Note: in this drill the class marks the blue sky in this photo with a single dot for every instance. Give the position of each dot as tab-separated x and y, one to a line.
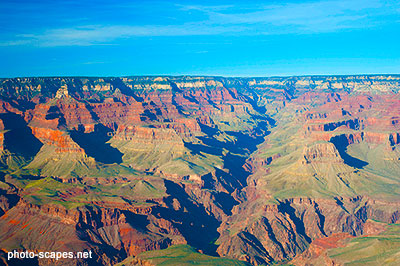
229	38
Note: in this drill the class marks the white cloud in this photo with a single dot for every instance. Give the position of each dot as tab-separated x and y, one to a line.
322	16
103	35
300	18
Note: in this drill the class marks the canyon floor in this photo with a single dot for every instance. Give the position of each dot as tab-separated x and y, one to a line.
185	170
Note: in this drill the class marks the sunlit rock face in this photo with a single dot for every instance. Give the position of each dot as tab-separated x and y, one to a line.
258	170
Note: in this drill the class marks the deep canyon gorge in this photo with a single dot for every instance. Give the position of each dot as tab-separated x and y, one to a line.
232	171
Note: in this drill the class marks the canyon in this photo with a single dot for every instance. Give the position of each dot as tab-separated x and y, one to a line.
226	171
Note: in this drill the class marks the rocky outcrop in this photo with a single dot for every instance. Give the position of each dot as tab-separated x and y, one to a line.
281	231
61	140
1	141
116	112
147	135
253	164
316	254
321	152
116	232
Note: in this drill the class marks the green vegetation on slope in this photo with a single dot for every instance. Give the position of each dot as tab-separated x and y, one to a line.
383	249
50	191
184	255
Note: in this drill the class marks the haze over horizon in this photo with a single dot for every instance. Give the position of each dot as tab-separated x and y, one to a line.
231	38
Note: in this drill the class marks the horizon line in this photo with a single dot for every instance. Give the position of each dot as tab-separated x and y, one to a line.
210	76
